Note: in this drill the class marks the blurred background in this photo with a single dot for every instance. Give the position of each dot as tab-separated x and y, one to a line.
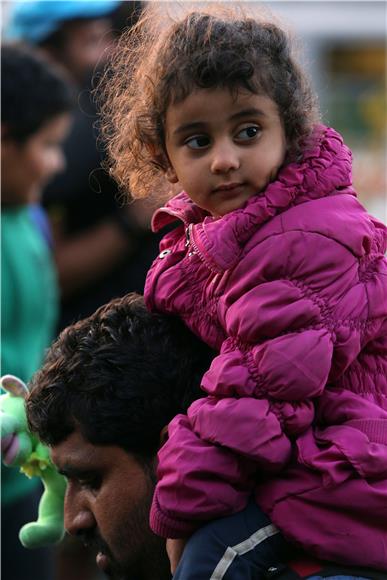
343	46
94	244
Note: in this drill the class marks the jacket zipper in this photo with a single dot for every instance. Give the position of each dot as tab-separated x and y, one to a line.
190	241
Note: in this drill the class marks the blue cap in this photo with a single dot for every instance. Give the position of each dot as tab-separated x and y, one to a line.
33	21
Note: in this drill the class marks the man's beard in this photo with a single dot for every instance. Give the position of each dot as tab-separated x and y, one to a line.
147	558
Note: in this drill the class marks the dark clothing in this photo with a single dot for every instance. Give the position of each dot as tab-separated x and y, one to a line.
83	197
17	563
243	546
246	546
129	276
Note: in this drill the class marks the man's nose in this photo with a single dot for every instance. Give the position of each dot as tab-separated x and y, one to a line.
225	158
78	518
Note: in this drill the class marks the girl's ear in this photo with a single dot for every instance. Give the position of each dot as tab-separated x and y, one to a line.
160	156
170	174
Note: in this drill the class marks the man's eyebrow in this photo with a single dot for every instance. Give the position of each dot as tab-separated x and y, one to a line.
70	471
200	125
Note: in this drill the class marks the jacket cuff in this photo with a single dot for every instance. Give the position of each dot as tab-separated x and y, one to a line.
168	527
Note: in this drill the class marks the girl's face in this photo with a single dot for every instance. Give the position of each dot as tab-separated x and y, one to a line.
223	148
28	166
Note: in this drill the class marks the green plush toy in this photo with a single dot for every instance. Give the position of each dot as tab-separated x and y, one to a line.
20	448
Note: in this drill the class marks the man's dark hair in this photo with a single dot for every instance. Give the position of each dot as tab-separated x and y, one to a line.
33	92
119	376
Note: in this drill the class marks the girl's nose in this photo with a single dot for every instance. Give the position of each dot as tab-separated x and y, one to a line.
225	158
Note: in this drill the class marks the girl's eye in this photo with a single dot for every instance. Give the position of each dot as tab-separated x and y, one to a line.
198	142
248	133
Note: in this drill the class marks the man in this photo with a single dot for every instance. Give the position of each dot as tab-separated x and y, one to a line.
109	386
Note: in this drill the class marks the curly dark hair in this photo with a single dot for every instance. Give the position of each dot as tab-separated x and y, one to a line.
160	63
33	91
119	376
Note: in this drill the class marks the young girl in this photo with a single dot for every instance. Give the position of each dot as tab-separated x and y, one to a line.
275	264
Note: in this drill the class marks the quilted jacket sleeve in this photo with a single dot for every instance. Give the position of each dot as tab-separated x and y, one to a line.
210	482
237	429
276	360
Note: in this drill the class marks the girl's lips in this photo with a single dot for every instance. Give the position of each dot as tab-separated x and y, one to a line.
230	190
227	187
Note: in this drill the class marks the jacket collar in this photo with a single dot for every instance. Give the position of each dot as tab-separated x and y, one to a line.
325	168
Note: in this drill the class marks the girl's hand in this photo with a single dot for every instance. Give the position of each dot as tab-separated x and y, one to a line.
175	549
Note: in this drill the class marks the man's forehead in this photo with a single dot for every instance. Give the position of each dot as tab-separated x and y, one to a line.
74	450
77	454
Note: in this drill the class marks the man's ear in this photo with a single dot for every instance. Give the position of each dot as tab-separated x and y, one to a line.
170	174
163	436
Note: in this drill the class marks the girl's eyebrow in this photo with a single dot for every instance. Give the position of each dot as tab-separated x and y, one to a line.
198	125
189	127
248	113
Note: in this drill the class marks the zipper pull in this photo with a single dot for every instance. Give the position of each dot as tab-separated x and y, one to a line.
187	237
188	244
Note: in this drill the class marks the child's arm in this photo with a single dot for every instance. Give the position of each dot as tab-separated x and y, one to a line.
198	481
260	398
175	549
207	467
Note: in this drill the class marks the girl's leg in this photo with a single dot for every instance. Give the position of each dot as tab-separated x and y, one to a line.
243	546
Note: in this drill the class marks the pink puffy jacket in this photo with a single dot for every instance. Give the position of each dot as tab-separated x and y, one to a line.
292	290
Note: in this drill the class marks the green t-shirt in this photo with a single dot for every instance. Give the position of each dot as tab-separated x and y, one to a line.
29	308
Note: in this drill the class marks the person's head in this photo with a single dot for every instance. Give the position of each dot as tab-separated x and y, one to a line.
213	101
109	386
35	109
75	33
